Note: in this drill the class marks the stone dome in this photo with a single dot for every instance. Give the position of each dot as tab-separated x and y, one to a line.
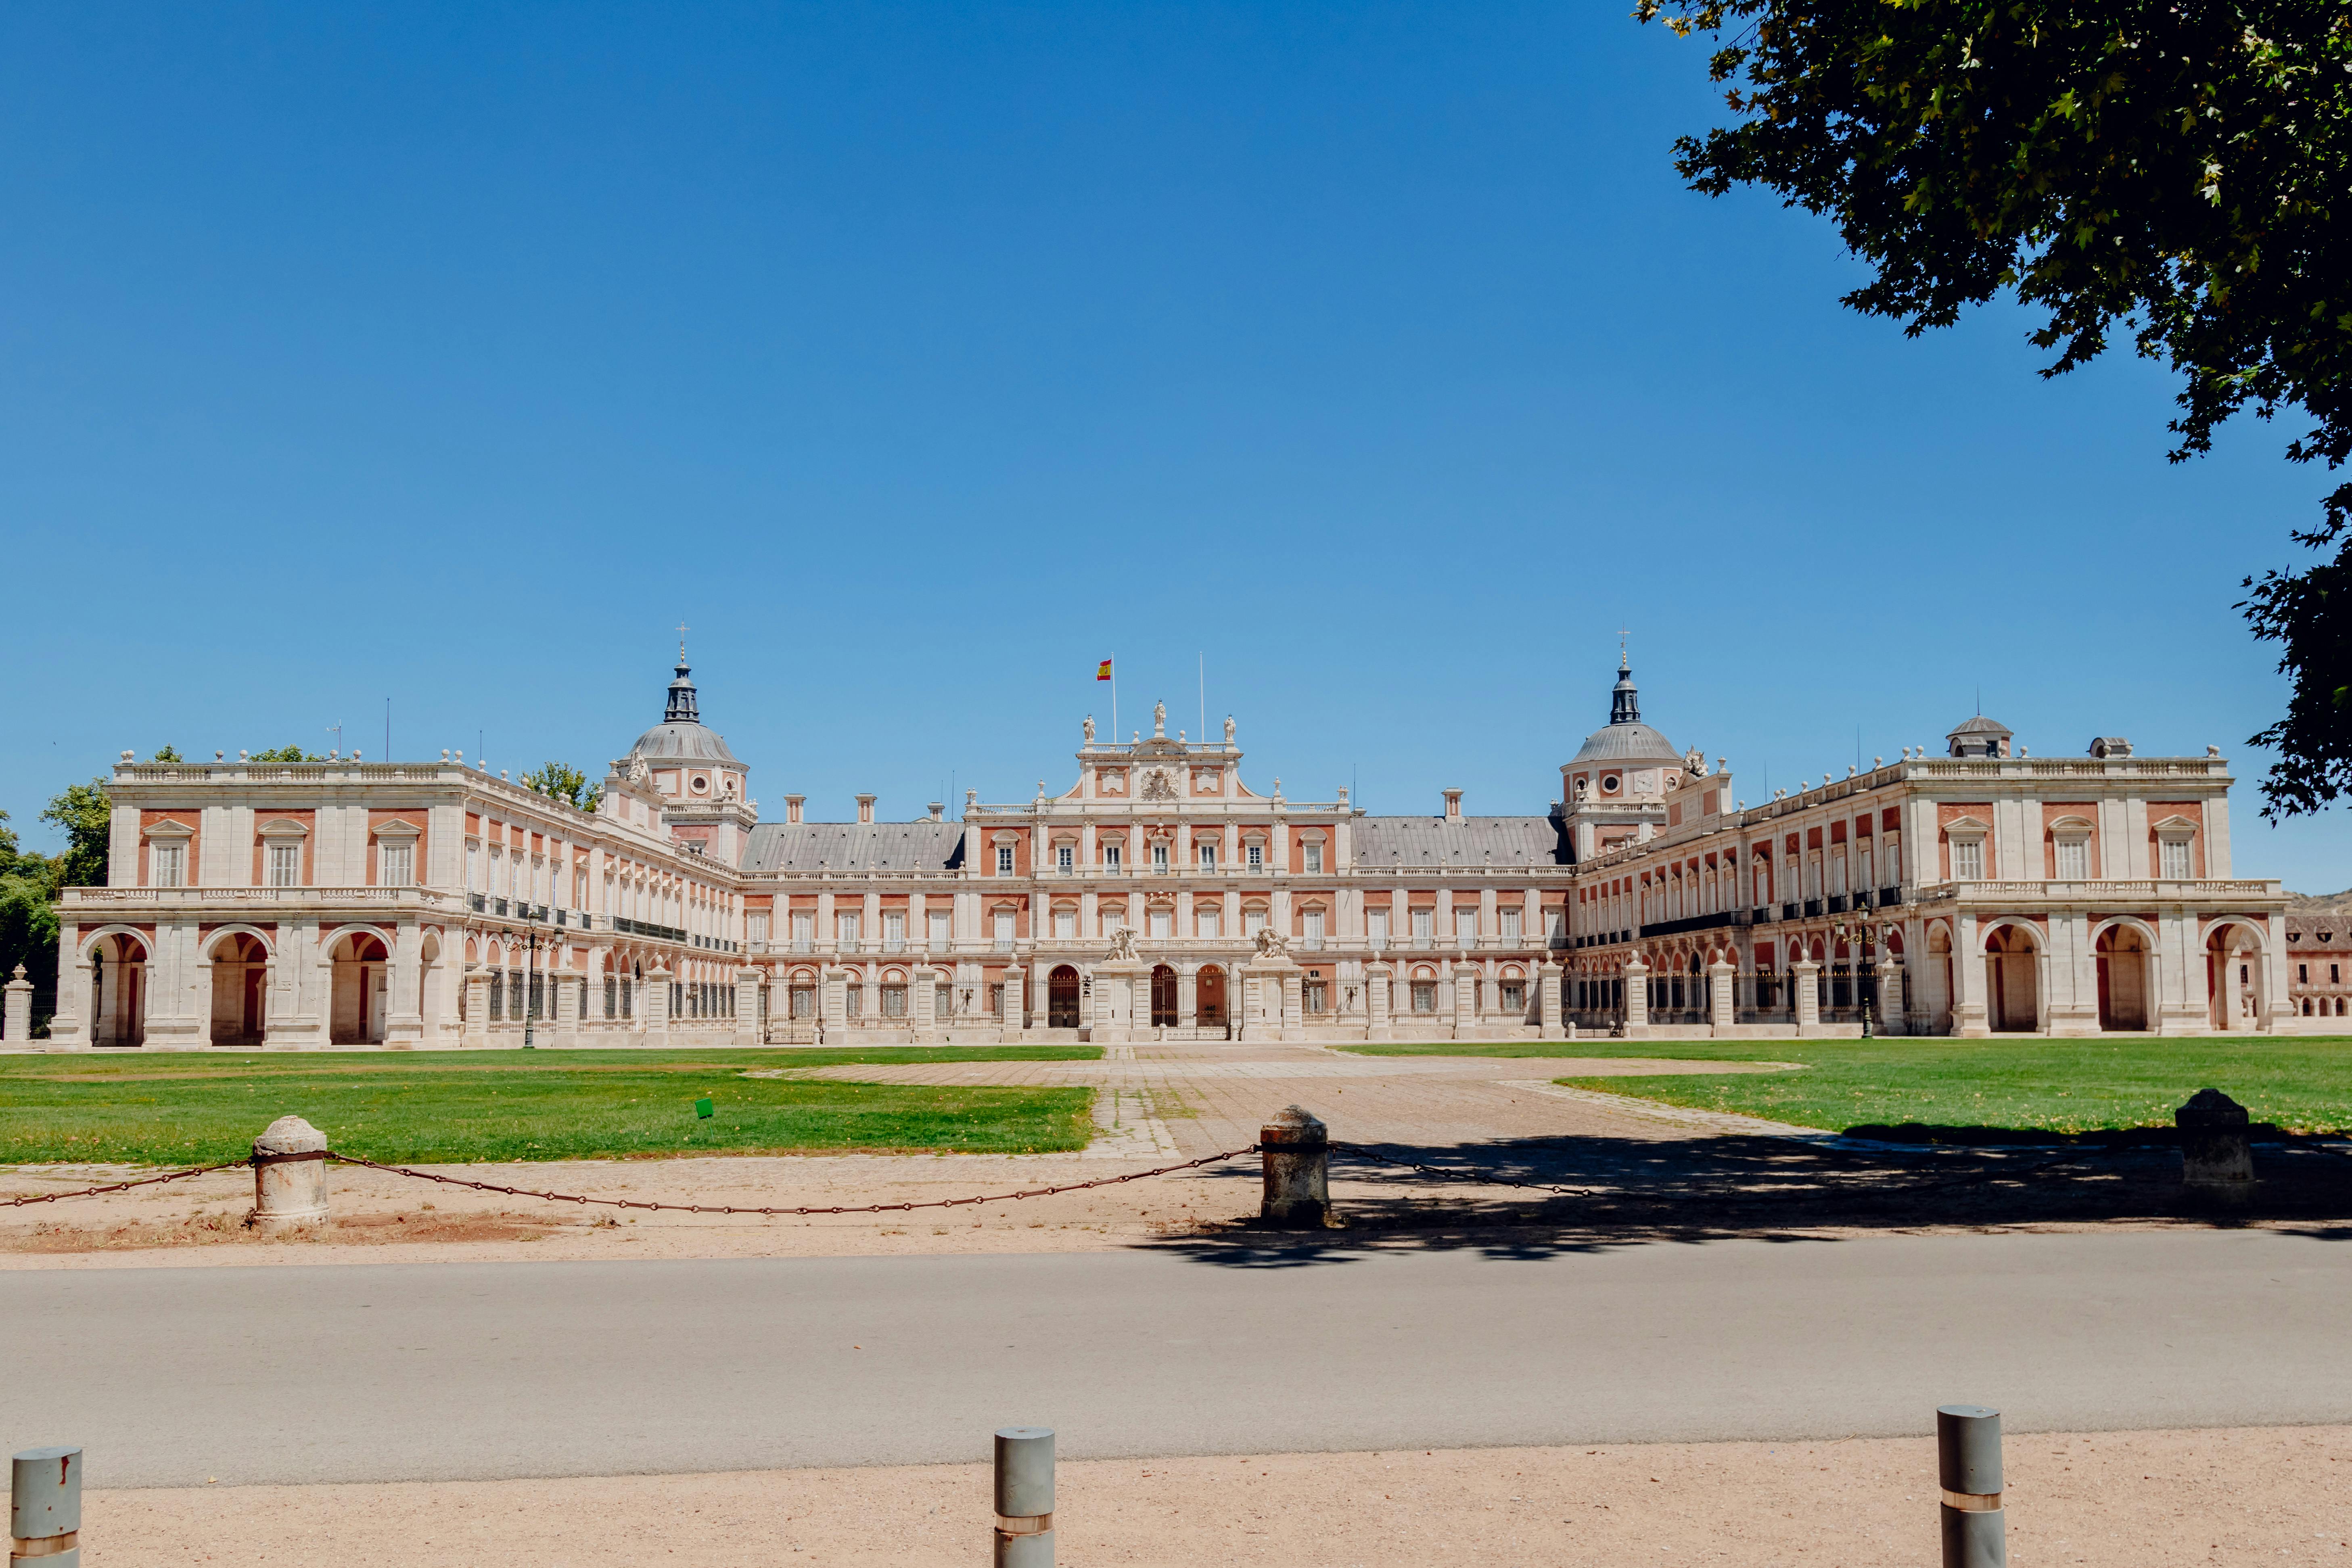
1625	739
682	735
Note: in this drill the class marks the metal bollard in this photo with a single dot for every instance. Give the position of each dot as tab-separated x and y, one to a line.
1025	1497
1968	1466
2216	1161
290	1173
44	1508
1295	1155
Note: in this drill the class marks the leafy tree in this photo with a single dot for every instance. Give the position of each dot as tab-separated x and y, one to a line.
28	921
286	754
2179	170
84	812
168	754
563	782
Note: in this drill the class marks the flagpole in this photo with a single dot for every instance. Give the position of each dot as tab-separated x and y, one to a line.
1114	696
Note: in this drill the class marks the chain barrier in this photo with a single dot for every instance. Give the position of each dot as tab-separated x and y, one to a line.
806	1209
123	1187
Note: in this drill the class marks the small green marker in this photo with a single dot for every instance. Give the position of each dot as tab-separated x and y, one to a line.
703	1106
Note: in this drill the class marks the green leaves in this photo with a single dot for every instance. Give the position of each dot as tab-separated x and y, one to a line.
2180	166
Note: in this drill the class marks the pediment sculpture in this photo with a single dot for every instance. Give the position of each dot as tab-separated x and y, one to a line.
1122	944
1272	943
1156	785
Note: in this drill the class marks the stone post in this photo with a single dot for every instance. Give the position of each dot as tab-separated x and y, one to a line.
1637	998
1296	1156
290	1173
1465	1000
656	998
1293	1003
2215	1161
1016	998
44	1507
1378	978
1805	977
1024	1498
1552	1016
17	1017
1722	1001
922	1003
565	986
1890	993
747	1006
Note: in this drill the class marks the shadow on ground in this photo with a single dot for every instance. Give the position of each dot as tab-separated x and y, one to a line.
1628	1192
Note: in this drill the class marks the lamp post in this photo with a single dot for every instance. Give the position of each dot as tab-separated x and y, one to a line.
530	971
1858	936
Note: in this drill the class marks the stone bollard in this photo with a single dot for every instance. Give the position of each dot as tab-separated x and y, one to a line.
1025	1497
1967	1467
17	1013
44	1508
290	1173
2215	1162
1296	1154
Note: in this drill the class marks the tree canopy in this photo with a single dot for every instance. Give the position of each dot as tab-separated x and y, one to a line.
85	811
563	782
2174	171
286	754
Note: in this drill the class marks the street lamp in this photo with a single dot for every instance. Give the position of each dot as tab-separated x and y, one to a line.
1858	937
530	971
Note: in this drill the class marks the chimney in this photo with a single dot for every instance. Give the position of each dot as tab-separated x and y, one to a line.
866	807
938	811
1454	806
792	808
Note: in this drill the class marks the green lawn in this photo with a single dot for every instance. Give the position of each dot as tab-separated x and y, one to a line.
185	1108
2069	1086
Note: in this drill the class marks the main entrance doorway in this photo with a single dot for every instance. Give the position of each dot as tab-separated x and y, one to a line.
1163	996
1211	986
1062	998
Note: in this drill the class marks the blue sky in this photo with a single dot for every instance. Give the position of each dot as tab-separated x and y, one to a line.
918	357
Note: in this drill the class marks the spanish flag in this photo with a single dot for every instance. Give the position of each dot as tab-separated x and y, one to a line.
1104	672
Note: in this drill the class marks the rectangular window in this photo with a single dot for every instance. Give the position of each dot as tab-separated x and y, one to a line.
1208	856
854	1001
1313	923
1004	859
286	865
1112	855
1466	922
1064	858
2302	974
756	926
2074	859
1162	919
1004	928
1066	924
942	928
1252	921
1314	857
170	864
1423	924
1515	996
804	930
1894	867
395	865
1256	855
844	930
1376	925
1317	996
894	1001
2332	977
2174	861
1424	996
1210	919
1968	859
1160	857
894	926
473	868
942	1001
1510	918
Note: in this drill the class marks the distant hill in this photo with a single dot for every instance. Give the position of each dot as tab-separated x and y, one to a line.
2320	903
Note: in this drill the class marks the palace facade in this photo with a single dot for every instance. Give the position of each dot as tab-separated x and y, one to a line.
1158	894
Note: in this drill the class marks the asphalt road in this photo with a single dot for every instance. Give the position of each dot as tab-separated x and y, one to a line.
171	1376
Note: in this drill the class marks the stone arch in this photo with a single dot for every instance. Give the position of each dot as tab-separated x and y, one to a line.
1209	990
2237	972
241	960
359	959
1062	998
1163	996
116	958
2123	949
2015	956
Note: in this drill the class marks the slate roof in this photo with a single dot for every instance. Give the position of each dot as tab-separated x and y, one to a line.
1626	742
848	846
695	743
1472	841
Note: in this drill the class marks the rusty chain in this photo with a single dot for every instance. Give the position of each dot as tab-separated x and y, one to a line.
124	1187
806	1209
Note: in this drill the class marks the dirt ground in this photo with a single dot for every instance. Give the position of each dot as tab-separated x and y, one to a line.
2120	1499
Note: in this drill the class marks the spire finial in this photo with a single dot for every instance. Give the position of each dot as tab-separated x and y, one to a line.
1622	664
682	629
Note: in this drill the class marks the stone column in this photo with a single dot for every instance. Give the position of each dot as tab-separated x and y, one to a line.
404	1020
1295	1152
1016	998
1637	998
1971	1016
477	1006
17	1017
747	1008
565	1013
833	1005
1378	977
1806	978
1551	1001
70	1028
290	1175
1722	1001
656	998
922	1003
1465	1001
1890	993
1188	995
